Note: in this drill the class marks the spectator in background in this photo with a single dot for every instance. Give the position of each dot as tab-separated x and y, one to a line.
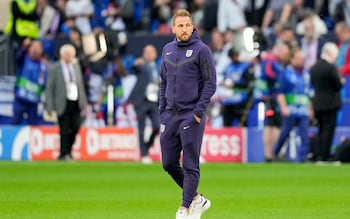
342	12
272	67
321	7
63	22
81	12
327	83
254	12
332	5
282	32
297	13
197	10
342	31
47	15
238	88
231	15
294	101
312	29
220	53
29	83
65	95
210	15
119	15
277	11
140	17
100	14
22	22
73	37
144	98
49	23
287	35
161	14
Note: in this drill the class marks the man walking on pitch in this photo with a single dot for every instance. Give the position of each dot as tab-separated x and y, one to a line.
188	81
65	95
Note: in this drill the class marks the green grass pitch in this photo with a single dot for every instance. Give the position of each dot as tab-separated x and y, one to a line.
131	190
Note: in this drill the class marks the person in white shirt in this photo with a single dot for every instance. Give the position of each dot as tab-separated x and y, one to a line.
65	95
231	15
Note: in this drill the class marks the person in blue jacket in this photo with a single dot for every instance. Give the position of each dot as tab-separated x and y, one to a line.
30	84
272	65
238	78
294	99
188	81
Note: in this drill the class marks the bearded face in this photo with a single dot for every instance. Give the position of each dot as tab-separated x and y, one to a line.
183	28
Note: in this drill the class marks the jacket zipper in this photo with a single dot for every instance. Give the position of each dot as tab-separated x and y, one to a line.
176	63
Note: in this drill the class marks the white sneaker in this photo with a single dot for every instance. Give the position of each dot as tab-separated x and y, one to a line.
181	214
198	207
146	160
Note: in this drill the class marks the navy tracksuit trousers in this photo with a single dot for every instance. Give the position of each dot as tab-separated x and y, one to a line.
181	132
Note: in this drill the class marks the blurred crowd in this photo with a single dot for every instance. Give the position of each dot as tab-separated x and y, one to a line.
260	48
98	29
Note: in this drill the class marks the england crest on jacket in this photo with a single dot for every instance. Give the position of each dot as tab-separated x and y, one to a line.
189	53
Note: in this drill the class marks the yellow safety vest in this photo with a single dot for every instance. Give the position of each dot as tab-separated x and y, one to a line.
24	28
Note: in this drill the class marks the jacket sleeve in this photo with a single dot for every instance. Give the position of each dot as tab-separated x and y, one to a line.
82	92
282	81
345	69
49	89
207	69
162	86
336	77
270	70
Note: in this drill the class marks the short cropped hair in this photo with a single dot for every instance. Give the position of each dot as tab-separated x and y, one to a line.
182	13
